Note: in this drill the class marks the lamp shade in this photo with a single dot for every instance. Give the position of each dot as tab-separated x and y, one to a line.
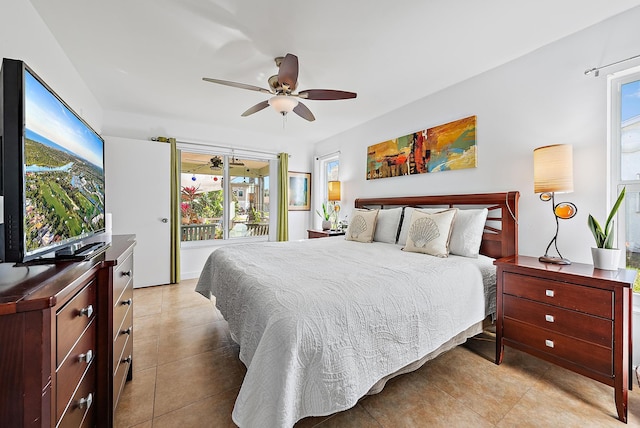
334	190
283	104
553	168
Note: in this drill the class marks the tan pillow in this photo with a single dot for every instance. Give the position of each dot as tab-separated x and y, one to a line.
429	233
362	225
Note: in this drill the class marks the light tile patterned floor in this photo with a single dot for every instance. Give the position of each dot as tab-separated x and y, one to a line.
187	374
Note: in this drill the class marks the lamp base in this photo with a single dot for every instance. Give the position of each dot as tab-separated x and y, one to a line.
554	260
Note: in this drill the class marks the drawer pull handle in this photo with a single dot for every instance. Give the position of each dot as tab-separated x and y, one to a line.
86	357
127	302
86	312
126	273
128	359
85	403
549	318
549	293
549	343
127	331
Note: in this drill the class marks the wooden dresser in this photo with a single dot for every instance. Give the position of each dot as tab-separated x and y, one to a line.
59	339
574	316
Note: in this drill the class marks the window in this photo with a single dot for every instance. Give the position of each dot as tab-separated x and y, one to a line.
625	137
328	168
223	196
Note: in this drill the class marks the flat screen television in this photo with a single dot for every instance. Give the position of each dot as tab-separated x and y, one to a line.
52	179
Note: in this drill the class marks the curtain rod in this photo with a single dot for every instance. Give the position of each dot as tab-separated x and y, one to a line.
597	69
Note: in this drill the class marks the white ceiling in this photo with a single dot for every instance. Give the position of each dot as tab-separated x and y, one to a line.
149	56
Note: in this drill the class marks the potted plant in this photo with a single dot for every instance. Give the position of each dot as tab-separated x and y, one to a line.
604	255
326	217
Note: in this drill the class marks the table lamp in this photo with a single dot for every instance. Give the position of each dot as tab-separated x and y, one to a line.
553	173
333	197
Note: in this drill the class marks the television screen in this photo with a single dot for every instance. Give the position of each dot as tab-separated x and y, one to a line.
60	184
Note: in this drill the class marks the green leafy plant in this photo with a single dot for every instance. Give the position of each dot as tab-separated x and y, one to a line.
326	212
603	236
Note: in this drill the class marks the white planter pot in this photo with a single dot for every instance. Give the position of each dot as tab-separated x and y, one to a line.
606	259
326	224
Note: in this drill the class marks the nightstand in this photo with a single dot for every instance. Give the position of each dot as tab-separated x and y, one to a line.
324	233
574	316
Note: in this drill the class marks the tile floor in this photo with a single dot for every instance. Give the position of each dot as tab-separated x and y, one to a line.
187	374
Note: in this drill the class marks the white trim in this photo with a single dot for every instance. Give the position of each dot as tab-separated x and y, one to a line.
225	150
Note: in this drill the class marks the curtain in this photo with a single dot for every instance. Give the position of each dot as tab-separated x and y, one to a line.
283	197
175	212
174	274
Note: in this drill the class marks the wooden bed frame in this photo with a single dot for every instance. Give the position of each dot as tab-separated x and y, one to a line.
500	237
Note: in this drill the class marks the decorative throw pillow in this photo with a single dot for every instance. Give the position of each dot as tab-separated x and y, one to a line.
406	220
466	235
429	233
387	225
362	225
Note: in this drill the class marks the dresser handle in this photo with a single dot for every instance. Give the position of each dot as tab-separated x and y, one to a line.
127	302
126	273
549	318
127	331
86	357
85	403
549	343
127	360
86	312
549	293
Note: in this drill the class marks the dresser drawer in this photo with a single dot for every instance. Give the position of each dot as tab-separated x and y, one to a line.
81	406
122	275
594	357
121	307
74	367
122	365
73	319
571	323
571	296
123	335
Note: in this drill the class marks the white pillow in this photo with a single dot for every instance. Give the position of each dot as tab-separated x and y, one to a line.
466	235
387	225
408	211
362	225
430	233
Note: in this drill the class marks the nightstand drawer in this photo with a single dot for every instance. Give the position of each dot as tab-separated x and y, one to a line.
589	355
589	300
571	323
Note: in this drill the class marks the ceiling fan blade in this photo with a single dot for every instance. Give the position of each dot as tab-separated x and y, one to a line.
326	94
288	72
237	85
302	111
256	108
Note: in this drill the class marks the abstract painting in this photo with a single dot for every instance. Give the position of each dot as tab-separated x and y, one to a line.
441	148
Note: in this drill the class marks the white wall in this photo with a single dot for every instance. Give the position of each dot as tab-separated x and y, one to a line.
539	99
24	36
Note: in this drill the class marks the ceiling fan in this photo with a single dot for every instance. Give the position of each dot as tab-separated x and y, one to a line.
282	87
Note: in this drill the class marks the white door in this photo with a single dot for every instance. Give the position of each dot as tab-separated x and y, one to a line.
139	200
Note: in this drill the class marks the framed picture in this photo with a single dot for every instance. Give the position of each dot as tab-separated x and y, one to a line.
299	191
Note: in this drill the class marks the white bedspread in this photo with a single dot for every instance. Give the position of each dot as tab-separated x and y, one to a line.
320	321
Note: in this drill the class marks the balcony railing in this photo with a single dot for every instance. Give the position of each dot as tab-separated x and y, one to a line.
202	232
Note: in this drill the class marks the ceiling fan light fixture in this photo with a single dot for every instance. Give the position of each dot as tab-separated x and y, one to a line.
283	104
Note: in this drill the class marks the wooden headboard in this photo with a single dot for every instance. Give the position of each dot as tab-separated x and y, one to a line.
500	237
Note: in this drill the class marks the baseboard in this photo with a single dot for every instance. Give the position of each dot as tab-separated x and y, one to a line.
189	275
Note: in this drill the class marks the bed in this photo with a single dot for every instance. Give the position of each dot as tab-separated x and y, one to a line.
323	322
